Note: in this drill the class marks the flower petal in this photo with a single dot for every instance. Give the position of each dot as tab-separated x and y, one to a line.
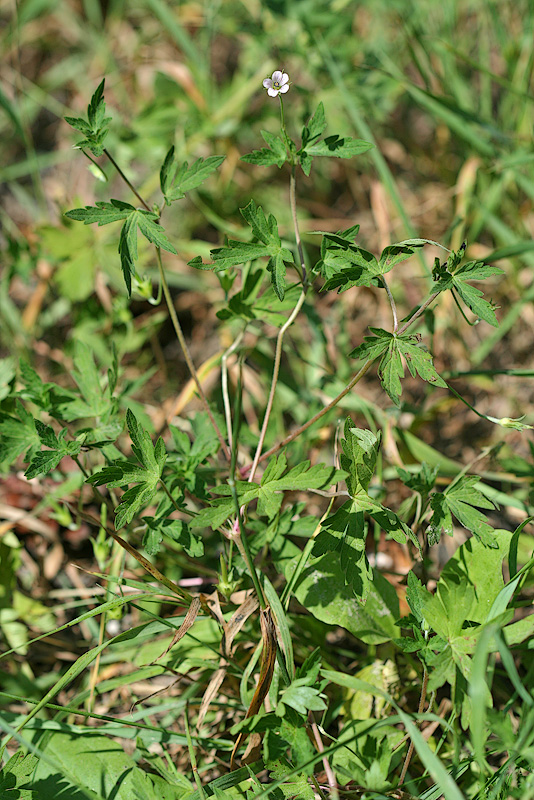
284	78
272	92
284	88
267	83
277	76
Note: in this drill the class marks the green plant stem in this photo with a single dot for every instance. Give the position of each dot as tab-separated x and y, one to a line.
357	378
169	495
126	181
187	355
174	317
192	756
224	385
422	700
293	204
240	539
392	303
422	308
287	324
359	375
276	369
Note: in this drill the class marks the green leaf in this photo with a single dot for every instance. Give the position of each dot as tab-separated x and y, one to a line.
269	492
96	128
265	230
102	213
393	350
296	786
345	532
7	374
146	475
338	147
18	434
99	765
459	500
182	180
360	453
93	399
275	153
344	265
175	529
302	697
47	460
396	253
323	591
134	218
315	126
16	773
167	172
451	277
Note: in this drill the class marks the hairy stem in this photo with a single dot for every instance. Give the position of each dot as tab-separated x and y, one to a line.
276	369
174	317
422	308
240	538
224	386
290	319
187	355
330	777
409	754
359	375
392	303
293	204
127	181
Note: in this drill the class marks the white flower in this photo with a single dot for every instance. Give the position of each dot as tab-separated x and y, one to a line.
277	84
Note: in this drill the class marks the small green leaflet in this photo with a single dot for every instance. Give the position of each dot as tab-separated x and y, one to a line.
274	153
175	529
134	218
302	697
296	786
393	350
346	530
336	146
459	500
345	265
95	129
450	276
146	474
176	181
268	244
18	435
47	460
269	491
93	400
15	773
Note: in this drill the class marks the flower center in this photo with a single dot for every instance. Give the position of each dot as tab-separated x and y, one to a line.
276	84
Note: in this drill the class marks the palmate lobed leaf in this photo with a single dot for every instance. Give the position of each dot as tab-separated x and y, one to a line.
460	500
176	181
270	492
339	147
454	278
95	129
265	230
146	474
394	349
134	219
274	153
